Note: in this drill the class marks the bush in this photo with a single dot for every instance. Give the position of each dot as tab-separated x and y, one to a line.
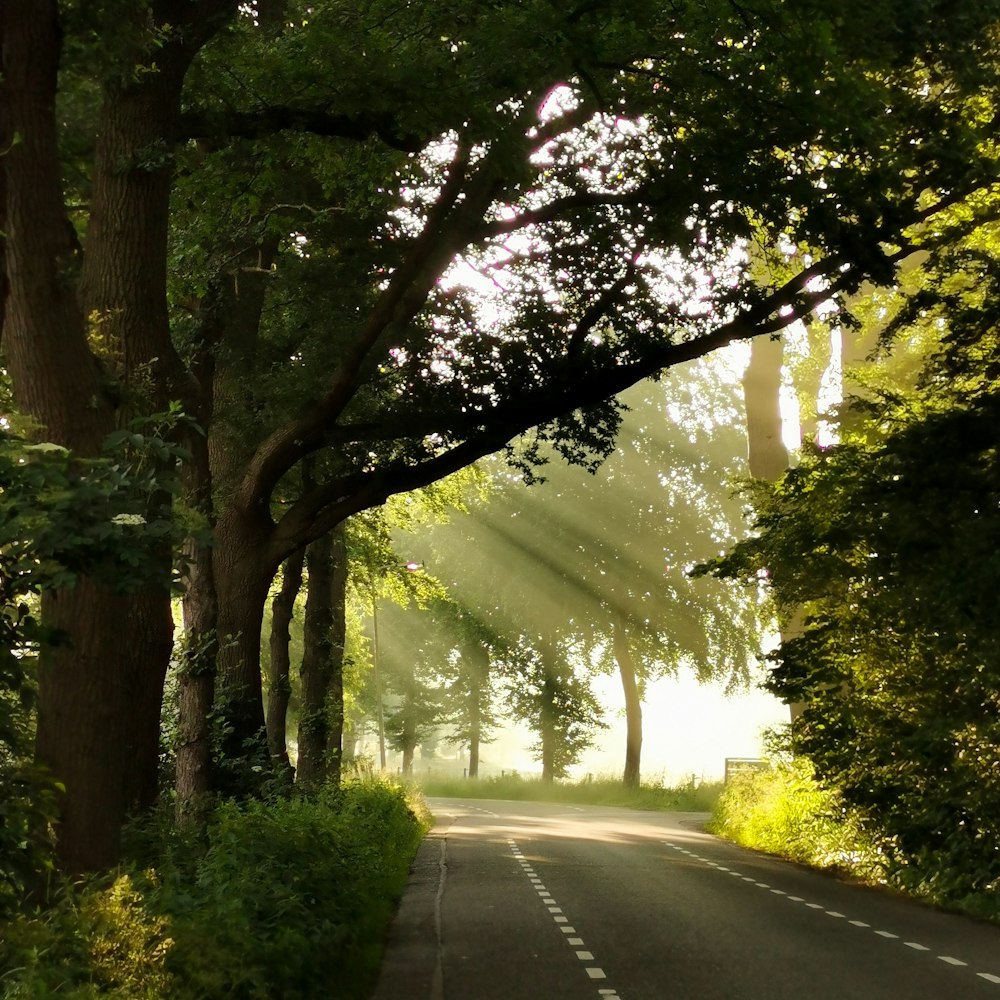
286	898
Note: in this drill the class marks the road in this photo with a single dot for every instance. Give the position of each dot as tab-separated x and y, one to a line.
539	901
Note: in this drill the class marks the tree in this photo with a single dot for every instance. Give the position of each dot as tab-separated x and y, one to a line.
424	147
548	692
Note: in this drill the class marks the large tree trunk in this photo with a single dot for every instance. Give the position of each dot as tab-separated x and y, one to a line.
99	713
279	688
633	704
100	690
768	457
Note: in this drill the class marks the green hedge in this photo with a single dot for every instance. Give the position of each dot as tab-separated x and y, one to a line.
289	898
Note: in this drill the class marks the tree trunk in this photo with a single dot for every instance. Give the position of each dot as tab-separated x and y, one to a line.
548	718
100	690
243	578
478	676
633	704
280	687
349	741
316	663
196	676
475	735
338	641
196	681
99	713
768	457
408	752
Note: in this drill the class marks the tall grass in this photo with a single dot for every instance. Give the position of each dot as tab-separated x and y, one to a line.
692	796
783	811
289	898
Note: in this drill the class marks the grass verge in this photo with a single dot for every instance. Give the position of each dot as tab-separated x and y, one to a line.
600	791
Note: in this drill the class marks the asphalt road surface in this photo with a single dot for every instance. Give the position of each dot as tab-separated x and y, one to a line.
533	901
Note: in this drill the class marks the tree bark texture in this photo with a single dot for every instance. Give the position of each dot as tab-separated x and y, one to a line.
633	704
280	684
99	713
242	580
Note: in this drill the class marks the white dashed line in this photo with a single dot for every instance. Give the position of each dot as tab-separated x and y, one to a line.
914	945
562	922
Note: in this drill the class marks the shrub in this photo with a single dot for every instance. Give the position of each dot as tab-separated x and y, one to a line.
285	898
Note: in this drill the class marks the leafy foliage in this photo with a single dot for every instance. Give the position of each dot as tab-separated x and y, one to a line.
253	909
60	517
888	540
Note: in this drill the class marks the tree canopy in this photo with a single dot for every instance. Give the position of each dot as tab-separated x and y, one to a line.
272	214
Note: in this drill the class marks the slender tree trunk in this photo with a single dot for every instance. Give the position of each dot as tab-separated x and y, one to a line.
196	682
243	576
280	687
767	455
478	674
349	743
633	704
196	676
475	736
316	663
548	718
338	640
